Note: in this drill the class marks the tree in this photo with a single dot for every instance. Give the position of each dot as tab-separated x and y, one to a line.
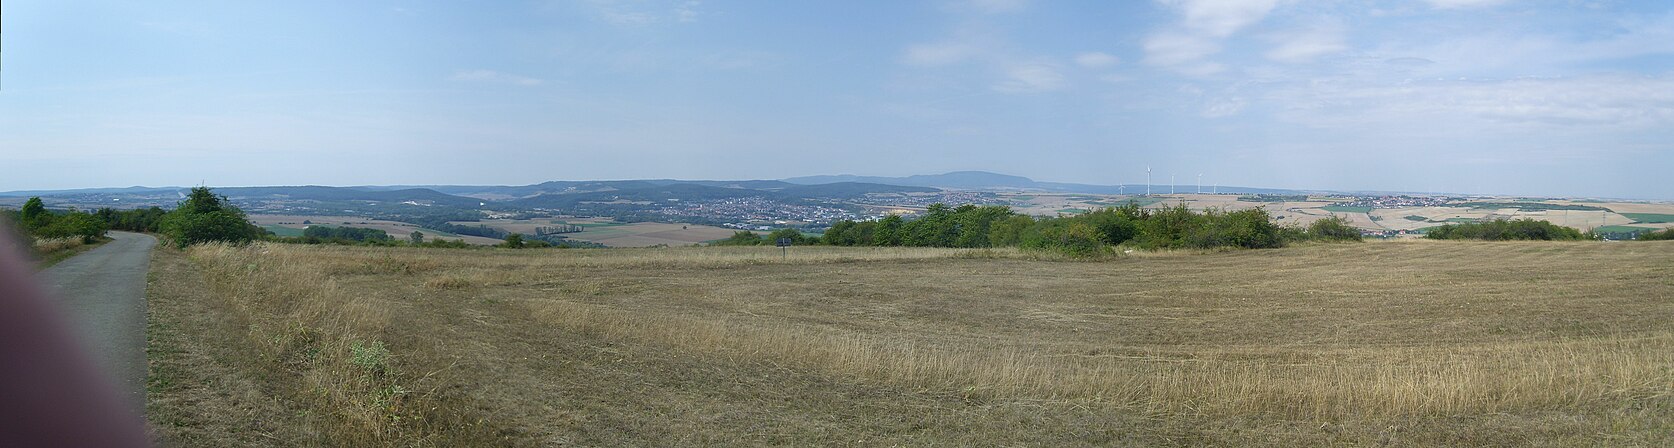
889	231
204	217
514	241
795	236
33	215
1334	228
1009	231
416	237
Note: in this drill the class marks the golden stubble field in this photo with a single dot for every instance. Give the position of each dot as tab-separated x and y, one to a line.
1395	343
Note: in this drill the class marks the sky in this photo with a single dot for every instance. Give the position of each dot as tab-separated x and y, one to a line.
1546	98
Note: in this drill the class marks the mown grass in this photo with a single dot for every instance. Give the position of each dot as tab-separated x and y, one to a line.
1399	343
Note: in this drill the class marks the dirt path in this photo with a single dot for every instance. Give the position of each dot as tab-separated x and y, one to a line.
103	291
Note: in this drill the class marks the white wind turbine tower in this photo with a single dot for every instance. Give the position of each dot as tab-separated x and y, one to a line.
1147	180
1199	183
1170	183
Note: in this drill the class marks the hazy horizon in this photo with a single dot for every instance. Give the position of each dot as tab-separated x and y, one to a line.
1540	98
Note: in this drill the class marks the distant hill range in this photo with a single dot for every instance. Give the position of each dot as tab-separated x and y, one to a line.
559	194
986	181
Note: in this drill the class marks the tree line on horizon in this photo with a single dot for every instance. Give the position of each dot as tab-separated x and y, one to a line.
1087	234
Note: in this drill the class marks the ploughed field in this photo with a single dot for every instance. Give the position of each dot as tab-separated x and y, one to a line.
1400	343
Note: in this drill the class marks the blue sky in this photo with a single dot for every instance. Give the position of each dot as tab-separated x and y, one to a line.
1564	97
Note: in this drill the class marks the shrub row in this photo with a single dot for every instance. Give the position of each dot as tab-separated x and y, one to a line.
1503	230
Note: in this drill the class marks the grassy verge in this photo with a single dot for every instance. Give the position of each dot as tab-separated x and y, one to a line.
54	251
264	351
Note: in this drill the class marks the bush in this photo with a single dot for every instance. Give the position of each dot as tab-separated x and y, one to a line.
1334	228
72	225
1168	228
345	233
1504	230
740	238
513	241
1009	232
1664	234
204	217
1250	229
1066	235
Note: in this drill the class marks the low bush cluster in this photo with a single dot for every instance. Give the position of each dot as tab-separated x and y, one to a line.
1505	230
35	221
1086	234
1658	235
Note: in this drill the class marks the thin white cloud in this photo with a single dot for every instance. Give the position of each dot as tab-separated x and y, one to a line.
490	76
1305	45
1031	77
1223	107
1185	46
639	14
1462	4
688	12
1220	18
1181	52
1594	101
1096	59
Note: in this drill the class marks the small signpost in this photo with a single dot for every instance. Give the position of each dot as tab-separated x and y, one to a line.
784	247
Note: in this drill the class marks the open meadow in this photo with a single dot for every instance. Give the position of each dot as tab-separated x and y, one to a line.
292	225
1389	343
611	233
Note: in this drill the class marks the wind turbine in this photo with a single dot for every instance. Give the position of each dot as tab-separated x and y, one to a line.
1199	183
1170	183
1147	180
1122	189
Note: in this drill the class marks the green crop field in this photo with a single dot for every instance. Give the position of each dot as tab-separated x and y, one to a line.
1347	209
1650	218
282	230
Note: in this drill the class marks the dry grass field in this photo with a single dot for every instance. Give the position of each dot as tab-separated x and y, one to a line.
608	232
1396	343
396	229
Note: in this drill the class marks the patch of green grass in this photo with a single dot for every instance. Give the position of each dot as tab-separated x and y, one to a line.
1462	220
439	233
1650	218
1072	211
1417	218
1529	206
283	231
1347	209
1023	197
1620	229
596	224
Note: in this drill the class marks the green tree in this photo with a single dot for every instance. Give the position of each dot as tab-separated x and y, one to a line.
416	237
1009	231
794	235
204	217
33	215
889	231
740	238
1335	228
514	241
